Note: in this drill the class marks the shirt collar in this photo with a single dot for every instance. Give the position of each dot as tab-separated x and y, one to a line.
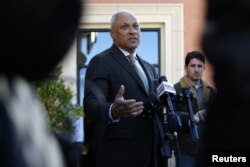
126	53
197	86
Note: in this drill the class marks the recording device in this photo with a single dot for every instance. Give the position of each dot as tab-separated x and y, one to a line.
167	120
152	105
166	92
193	127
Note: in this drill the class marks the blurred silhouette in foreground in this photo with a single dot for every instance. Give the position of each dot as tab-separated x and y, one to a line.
226	41
35	35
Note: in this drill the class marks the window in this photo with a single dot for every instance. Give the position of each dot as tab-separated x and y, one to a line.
92	42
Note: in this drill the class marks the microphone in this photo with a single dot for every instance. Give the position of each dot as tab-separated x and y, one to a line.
193	127
152	105
154	101
165	90
155	104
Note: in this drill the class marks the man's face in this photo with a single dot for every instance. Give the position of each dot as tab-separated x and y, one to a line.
126	32
195	69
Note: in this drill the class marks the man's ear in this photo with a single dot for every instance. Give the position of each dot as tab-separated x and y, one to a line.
185	68
112	34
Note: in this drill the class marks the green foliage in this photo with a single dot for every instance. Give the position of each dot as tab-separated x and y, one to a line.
56	97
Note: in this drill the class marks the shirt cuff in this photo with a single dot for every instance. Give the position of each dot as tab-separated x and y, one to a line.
110	115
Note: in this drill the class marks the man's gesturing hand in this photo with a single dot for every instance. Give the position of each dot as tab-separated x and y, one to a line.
124	108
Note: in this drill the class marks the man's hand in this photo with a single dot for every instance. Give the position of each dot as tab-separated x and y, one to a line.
200	116
125	108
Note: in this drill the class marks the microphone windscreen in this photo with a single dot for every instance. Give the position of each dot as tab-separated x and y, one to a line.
153	98
162	78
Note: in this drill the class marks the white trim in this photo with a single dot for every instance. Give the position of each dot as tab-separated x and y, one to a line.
167	17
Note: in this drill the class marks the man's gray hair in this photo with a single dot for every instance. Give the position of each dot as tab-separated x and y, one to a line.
118	13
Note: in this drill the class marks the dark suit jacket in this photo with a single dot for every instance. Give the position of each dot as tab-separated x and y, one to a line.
129	142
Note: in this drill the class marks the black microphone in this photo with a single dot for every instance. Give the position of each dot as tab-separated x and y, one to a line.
193	127
154	101
152	105
156	105
165	90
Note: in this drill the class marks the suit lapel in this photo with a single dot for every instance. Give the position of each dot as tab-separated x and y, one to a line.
121	59
148	72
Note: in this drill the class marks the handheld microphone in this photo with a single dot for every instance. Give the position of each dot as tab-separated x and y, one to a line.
152	105
165	90
156	105
154	100
193	127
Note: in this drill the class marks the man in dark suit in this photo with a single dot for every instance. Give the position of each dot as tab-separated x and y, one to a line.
116	99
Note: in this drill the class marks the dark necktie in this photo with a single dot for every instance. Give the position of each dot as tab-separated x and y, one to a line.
139	71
